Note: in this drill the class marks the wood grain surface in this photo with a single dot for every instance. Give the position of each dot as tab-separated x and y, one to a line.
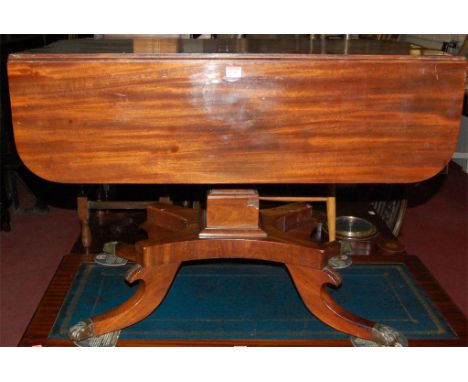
234	118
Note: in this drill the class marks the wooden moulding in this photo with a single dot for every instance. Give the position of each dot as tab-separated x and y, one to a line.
232	214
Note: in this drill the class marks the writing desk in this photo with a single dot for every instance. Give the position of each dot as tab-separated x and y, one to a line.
234	112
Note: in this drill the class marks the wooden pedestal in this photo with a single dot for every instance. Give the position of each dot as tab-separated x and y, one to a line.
232	227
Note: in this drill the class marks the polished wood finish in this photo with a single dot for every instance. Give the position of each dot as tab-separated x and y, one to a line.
270	112
311	285
178	234
175	235
125	226
232	208
232	214
329	200
154	283
45	315
256	113
85	206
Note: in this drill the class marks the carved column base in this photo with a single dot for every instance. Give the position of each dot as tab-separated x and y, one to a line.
177	234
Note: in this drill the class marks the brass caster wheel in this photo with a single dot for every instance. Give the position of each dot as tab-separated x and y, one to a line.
82	335
81	331
382	335
339	262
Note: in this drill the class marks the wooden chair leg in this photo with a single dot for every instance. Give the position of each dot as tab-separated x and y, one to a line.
154	285
83	215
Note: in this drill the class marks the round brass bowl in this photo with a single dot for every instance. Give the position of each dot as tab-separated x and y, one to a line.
354	227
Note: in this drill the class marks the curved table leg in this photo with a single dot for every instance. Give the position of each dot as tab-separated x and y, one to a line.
154	285
311	285
159	259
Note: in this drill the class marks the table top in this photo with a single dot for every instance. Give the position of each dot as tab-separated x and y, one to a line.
163	111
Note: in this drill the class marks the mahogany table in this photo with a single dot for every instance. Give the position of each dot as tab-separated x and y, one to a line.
234	112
